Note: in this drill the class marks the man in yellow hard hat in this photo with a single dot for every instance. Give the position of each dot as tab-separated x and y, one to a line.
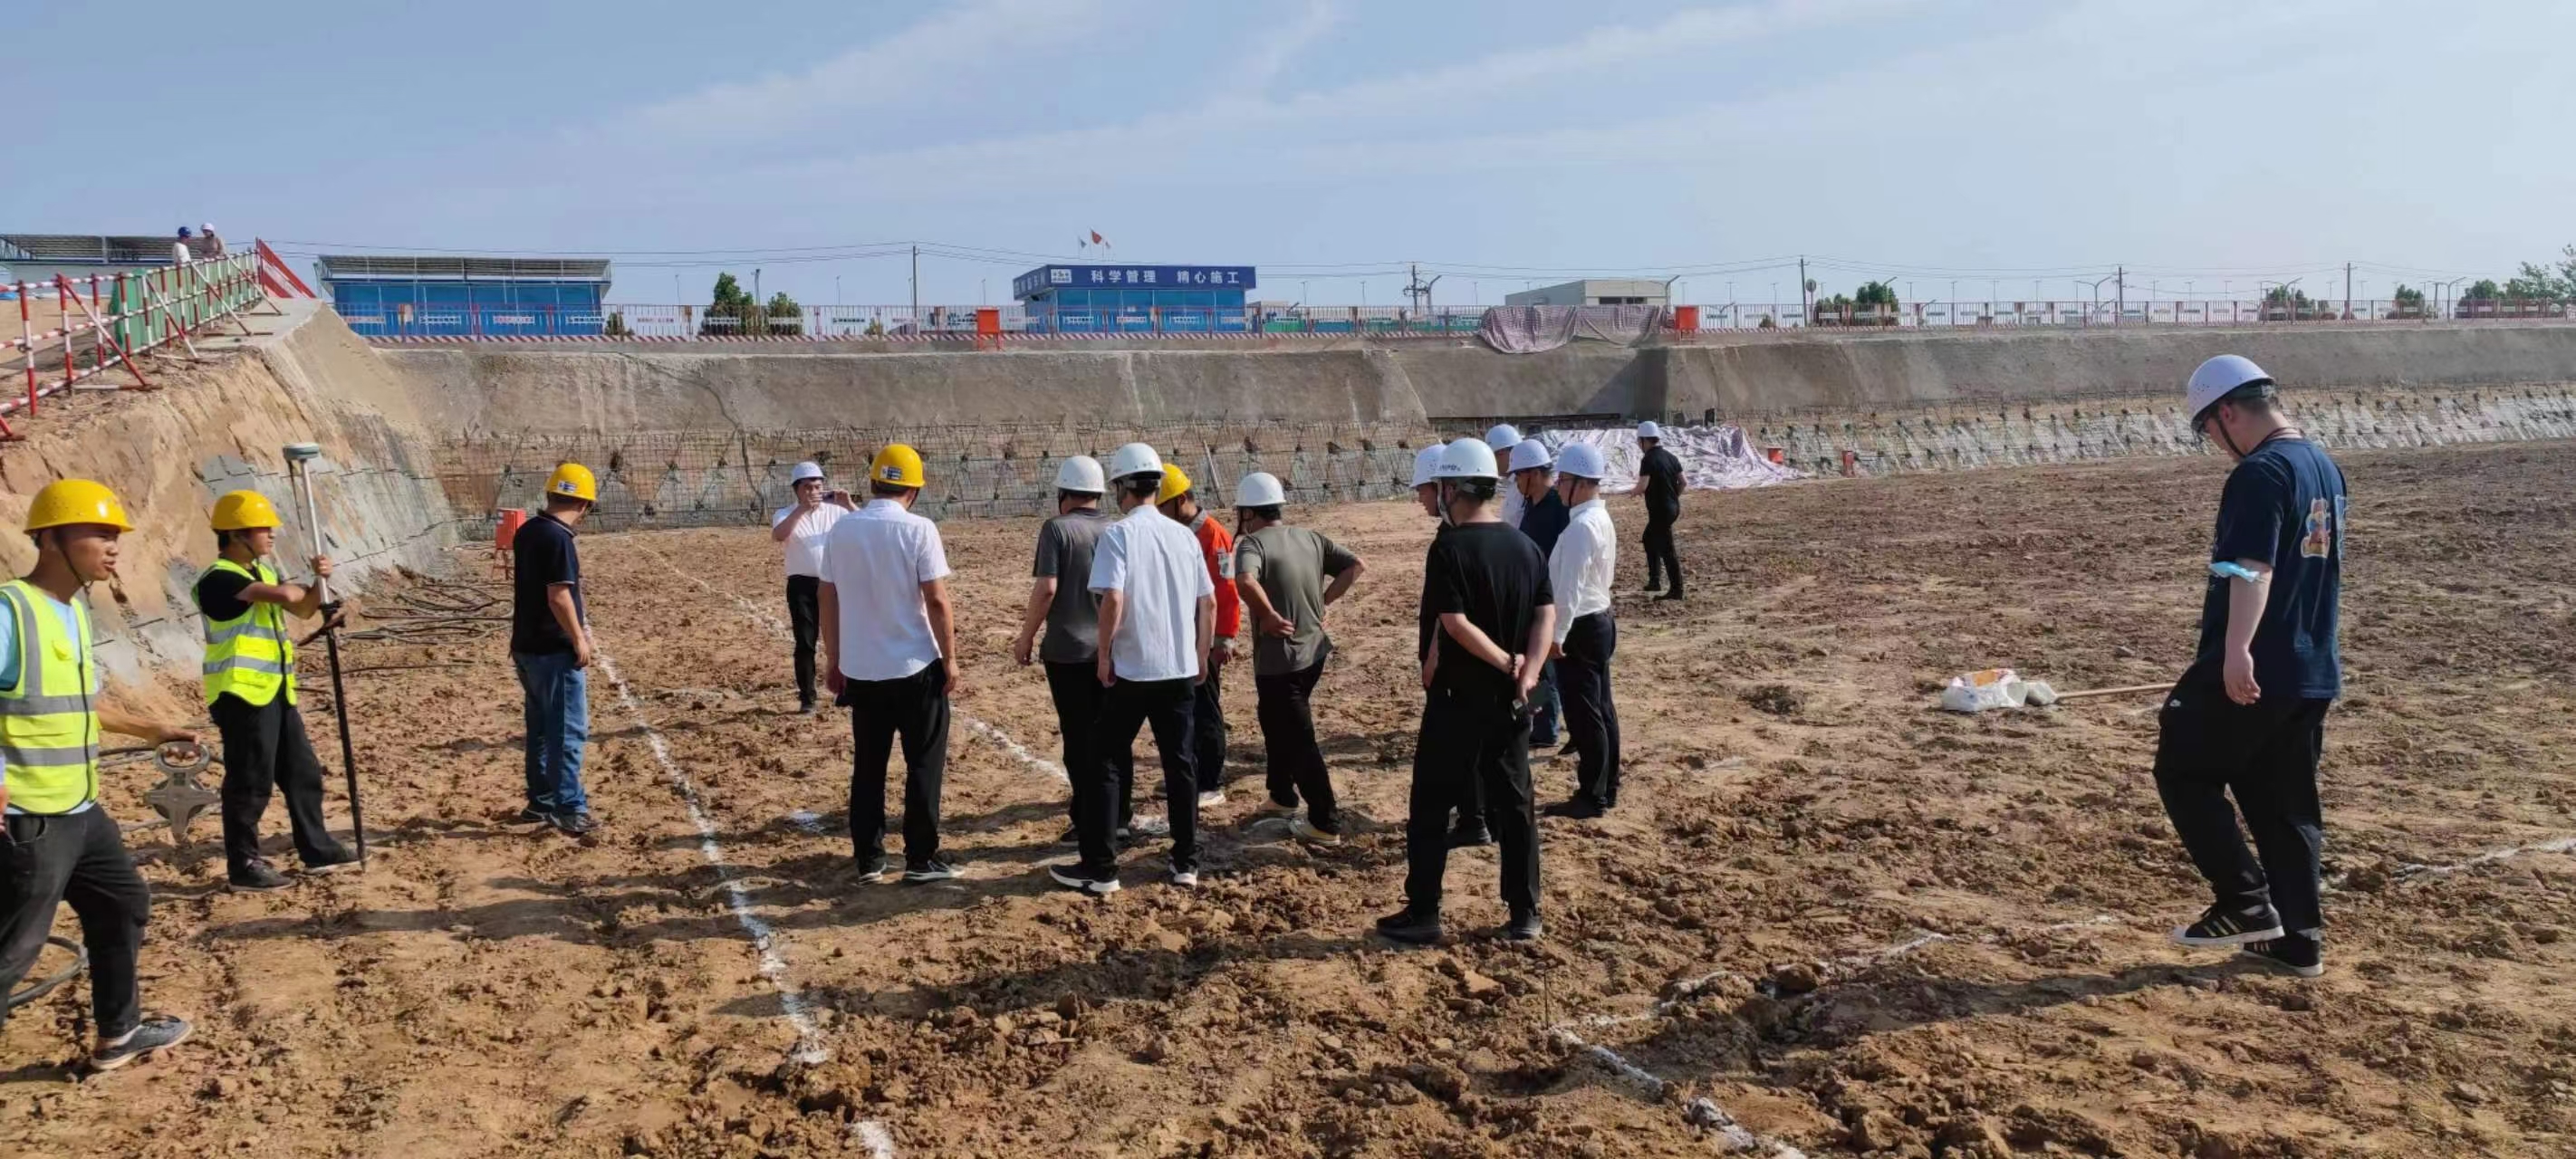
61	846
890	657
250	691
550	646
1178	499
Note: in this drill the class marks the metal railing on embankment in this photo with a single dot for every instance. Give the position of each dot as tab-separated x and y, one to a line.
723	478
72	329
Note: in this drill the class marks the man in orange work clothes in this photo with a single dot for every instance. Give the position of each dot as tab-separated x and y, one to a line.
1180	503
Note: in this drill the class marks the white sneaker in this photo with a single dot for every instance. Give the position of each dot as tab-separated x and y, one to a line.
1071	877
1212	800
1186	878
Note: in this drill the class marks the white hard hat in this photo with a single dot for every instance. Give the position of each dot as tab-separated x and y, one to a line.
1502	438
1081	473
1581	460
1260	489
808	469
208	227
1530	453
2216	378
1468	459
1426	464
1135	459
1648	430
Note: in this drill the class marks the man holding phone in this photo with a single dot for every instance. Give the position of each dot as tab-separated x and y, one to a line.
803	526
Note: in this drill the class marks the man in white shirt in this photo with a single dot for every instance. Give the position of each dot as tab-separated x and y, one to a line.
1580	570
804	526
1502	438
1157	619
890	655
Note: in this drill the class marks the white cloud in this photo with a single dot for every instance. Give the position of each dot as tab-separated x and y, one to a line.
921	58
1271	56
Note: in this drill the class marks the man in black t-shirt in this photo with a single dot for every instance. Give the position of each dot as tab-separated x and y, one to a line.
1661	474
550	647
1487	585
2248	717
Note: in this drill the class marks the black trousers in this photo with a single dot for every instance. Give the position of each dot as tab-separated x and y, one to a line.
2265	754
1075	687
265	749
77	858
1295	761
914	707
1661	556
1126	707
804	597
1591	716
1208	734
1470	739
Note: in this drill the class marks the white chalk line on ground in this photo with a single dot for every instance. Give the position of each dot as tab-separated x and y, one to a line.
2555	845
761	616
1704	1112
773	963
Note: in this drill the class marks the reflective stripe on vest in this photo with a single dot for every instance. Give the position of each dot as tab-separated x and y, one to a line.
249	656
48	727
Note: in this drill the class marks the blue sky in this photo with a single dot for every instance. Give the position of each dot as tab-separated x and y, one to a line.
1982	142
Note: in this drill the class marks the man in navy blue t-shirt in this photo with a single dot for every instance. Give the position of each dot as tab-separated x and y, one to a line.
2248	717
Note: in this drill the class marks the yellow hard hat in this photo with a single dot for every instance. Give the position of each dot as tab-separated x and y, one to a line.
899	465
573	481
243	510
1174	482
65	502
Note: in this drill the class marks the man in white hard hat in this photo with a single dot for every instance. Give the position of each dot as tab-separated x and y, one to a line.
1661	474
1581	571
208	245
803	526
2248	717
1471	830
1287	577
1501	438
1062	604
1426	478
1157	621
1489	587
1543	519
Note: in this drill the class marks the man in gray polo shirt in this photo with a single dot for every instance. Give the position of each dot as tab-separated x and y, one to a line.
1281	572
1062	604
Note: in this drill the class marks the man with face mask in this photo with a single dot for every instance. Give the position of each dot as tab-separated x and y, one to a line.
2248	718
60	845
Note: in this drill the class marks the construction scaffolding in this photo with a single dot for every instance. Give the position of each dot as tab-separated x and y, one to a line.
739	478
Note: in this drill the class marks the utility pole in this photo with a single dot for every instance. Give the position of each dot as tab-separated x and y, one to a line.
2347	290
1806	308
2120	283
755	286
916	289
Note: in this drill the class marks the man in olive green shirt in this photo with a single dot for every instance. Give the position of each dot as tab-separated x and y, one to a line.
1281	572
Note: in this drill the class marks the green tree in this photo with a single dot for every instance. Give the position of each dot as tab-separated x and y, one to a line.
2483	290
2410	301
728	309
1831	311
784	315
1879	296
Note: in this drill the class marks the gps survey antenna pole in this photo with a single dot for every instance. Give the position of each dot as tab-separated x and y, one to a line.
297	455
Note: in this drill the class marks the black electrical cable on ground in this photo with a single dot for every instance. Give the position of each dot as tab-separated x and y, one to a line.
80	962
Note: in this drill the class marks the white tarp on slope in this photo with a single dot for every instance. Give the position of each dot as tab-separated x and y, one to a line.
1531	329
1714	458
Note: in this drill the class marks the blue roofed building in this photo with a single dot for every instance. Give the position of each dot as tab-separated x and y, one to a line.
1135	299
393	296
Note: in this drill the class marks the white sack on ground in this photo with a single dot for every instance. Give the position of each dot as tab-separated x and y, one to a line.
1716	458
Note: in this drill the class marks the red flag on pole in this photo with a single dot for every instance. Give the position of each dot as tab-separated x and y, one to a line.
1096	239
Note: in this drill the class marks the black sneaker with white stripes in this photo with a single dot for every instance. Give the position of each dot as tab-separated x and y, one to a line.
928	869
2296	953
2222	926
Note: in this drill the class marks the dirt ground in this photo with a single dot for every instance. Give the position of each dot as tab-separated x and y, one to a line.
1825	917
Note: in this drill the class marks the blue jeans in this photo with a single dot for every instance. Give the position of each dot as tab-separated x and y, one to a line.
558	723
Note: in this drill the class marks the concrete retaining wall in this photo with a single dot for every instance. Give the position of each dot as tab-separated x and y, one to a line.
506	389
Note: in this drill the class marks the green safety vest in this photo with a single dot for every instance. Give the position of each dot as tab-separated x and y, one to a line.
48	726
250	655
